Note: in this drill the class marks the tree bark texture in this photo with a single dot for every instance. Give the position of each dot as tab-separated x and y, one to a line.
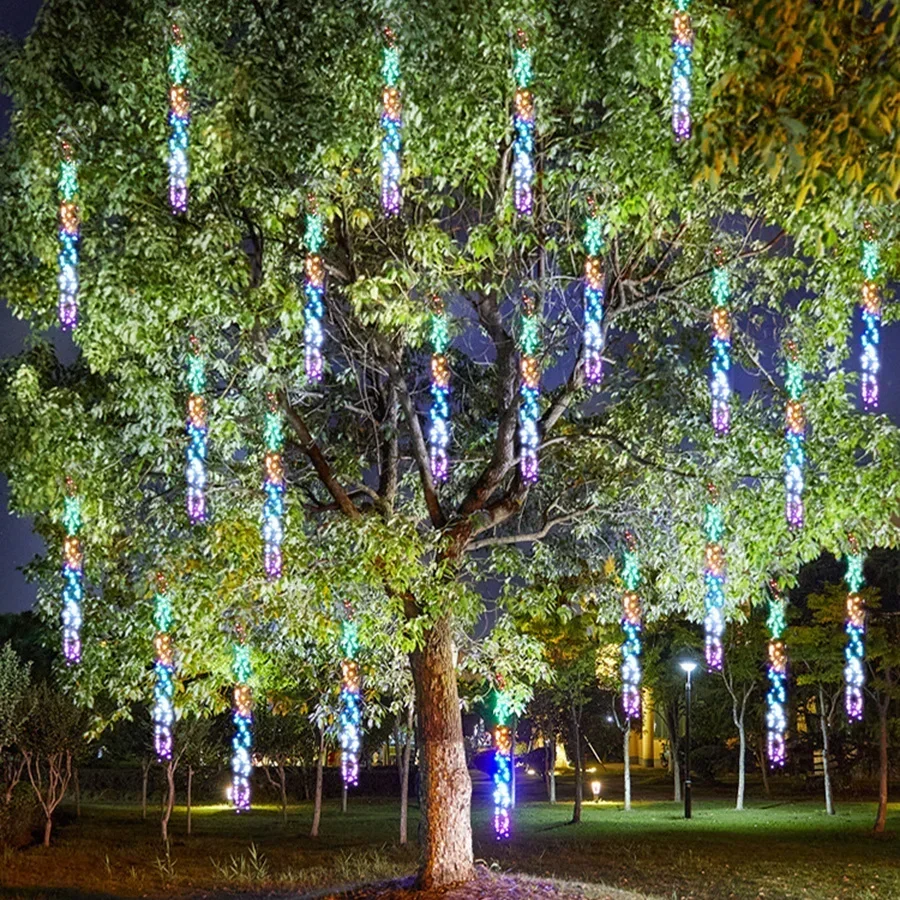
317	803
403	764
579	768
626	735
190	780
826	771
170	799
742	764
145	772
446	788
881	817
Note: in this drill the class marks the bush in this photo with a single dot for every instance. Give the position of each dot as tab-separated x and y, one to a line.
21	818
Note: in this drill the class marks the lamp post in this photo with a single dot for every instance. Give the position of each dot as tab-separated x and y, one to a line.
687	666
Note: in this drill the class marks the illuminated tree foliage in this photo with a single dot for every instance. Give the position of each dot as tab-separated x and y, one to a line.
284	101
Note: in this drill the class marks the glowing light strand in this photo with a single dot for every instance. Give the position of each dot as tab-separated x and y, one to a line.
273	486
870	306
391	125
795	437
714	578
69	238
776	696
523	126
163	713
854	652
242	718
439	431
314	289
594	295
502	763
529	392
350	702
682	66
179	120
720	369
631	629
73	575
198	435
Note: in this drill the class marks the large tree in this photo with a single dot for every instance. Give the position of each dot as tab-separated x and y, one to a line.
286	100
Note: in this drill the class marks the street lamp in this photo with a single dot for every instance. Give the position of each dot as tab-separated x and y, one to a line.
687	666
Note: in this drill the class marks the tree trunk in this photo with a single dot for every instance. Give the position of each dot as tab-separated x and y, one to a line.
512	766
446	788
190	779
553	769
760	753
742	763
626	735
579	773
282	783
672	725
403	761
881	817
344	798
170	800
317	803
77	793
145	772
48	827
826	771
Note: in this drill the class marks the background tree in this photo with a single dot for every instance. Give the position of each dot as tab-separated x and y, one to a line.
364	508
283	735
15	678
52	735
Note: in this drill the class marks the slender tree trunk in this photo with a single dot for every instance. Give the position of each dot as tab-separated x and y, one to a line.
553	769
170	799
826	770
512	766
190	780
403	761
317	803
48	827
145	773
881	817
344	798
446	793
673	723
626	735
579	772
676	774
282	784
742	763
760	753
77	793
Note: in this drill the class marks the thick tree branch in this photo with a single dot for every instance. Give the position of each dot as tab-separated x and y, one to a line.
317	458
529	537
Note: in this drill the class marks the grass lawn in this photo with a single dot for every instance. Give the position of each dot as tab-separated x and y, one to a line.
775	849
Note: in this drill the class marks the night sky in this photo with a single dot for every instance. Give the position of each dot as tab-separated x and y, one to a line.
17	543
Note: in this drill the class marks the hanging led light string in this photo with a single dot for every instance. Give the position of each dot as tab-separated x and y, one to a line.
720	371
795	437
439	432
502	763
273	506
73	575
714	578
242	717
594	291
69	237
529	392
631	628
870	305
523	126
179	120
776	697
198	435
682	47
164	669
350	700
314	288
854	652
391	123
